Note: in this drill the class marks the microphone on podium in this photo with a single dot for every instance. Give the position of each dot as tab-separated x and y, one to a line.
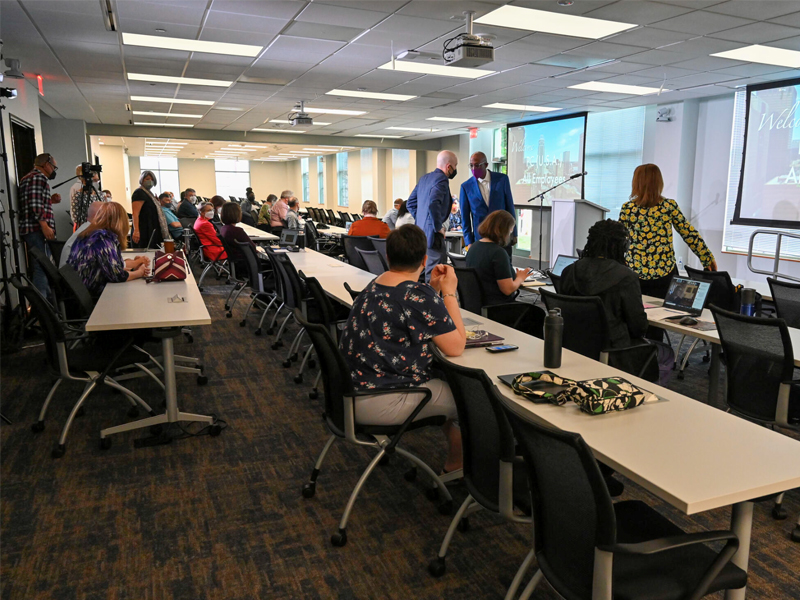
579	175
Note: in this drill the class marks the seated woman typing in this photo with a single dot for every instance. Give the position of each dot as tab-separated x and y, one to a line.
491	261
207	234
97	253
385	341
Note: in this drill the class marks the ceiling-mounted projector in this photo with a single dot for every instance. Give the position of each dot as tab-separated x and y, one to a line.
299	117
467	49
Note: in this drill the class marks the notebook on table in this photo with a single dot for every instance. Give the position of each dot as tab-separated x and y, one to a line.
481	339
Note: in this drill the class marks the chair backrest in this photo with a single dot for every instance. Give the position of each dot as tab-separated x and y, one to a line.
556	279
51	328
345	217
786	297
470	289
458	260
312	213
56	247
74	285
486	436
373	260
336	380
352	242
311	234
380	245
571	505
758	357
356	216
327	312
331	215
722	293
251	260
585	322
50	270
292	289
353	294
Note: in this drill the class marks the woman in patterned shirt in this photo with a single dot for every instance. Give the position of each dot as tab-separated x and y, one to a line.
97	253
386	340
649	219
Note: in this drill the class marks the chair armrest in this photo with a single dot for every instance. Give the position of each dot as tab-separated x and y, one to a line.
426	397
674	542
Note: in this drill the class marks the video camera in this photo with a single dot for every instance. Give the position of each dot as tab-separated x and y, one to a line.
88	169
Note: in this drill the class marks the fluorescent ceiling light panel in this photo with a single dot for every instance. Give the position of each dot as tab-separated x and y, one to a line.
616	88
413	129
318	149
170	100
388	137
370	95
285	122
178	80
522	107
431	69
516	17
166	124
160	114
300	152
766	55
457	120
278	130
334	111
170	43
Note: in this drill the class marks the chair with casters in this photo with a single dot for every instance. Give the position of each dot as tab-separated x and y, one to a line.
494	475
334	220
260	280
340	419
759	376
50	270
598	549
373	261
324	244
351	242
218	265
457	260
379	244
77	356
586	332
231	250
786	297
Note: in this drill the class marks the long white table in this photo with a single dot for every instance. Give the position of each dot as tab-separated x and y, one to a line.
256	234
141	305
689	454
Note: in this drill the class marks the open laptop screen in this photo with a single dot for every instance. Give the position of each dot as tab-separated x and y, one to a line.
562	262
289	237
687	294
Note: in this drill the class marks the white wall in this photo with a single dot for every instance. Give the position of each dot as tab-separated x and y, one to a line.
115	175
198	174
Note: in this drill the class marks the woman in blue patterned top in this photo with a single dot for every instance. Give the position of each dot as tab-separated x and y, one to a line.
387	336
97	253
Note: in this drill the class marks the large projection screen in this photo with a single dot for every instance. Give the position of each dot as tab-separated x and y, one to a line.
546	152
769	184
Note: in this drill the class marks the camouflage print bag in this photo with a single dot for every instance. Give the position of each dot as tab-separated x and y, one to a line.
524	384
599	396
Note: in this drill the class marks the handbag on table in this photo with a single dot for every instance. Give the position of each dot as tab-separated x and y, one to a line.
169	266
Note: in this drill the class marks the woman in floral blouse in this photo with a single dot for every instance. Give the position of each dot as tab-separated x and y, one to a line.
387	336
649	219
97	253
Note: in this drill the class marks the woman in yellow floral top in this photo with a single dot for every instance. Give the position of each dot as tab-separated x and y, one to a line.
649	218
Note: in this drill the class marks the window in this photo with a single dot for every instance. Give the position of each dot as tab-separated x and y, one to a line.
341	178
233	177
321	179
400	175
614	141
366	173
304	171
166	170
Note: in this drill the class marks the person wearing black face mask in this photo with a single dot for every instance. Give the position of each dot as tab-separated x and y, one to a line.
36	220
481	194
430	203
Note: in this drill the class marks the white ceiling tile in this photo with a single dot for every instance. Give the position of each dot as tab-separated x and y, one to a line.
148	27
624	66
276	9
792	20
407	32
758	33
275	72
641	12
326	14
605	50
760	10
182	13
649	37
322	32
660	57
666	72
698	79
301	50
750	70
242	23
792	43
702	23
702	46
580	7
707	63
446	10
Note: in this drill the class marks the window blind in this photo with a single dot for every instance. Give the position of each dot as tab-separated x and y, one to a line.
233	177
321	179
341	178
305	174
366	173
400	174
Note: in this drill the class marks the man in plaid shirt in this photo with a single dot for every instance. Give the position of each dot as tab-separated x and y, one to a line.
36	221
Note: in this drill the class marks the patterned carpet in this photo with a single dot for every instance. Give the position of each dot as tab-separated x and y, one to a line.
223	518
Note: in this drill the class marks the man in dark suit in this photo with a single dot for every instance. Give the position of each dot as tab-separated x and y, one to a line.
481	194
429	204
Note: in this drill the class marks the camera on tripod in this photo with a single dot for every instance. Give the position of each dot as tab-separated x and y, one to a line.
88	170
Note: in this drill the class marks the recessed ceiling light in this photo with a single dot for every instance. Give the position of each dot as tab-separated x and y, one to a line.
334	111
425	69
318	149
516	17
157	41
456	120
523	107
388	137
170	100
766	55
178	80
423	129
616	88
299	152
370	95
278	130
232	108
163	114
237	149
255	147
292	155
285	122
166	124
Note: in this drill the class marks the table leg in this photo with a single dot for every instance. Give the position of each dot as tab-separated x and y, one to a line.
741	525
713	381
171	387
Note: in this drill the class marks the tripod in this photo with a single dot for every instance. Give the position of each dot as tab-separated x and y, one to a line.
540	197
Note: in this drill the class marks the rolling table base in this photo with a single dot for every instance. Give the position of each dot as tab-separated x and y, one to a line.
741	525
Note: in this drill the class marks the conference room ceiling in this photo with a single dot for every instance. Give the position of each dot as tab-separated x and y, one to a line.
312	47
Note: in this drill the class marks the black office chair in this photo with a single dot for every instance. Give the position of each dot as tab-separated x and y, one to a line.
786	297
495	476
586	332
457	260
555	279
585	544
379	244
56	248
373	260
340	418
353	294
759	375
260	280
334	220
345	217
350	244
54	281
356	216
234	257
324	244
517	315
76	356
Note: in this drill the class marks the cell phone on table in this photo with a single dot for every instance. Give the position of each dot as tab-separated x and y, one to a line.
503	348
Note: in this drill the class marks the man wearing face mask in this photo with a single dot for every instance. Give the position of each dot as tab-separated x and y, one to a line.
429	204
186	208
81	199
481	194
36	220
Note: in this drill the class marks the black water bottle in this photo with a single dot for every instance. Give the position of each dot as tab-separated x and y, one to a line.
553	333
748	306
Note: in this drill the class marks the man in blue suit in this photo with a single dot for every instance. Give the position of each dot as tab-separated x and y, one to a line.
481	194
429	204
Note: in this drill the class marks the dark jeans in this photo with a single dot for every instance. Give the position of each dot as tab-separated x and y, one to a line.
657	287
436	256
38	277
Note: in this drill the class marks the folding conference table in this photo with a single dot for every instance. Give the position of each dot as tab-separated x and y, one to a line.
256	234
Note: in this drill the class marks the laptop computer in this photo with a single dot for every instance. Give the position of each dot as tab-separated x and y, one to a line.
347	225
562	262
288	237
687	295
